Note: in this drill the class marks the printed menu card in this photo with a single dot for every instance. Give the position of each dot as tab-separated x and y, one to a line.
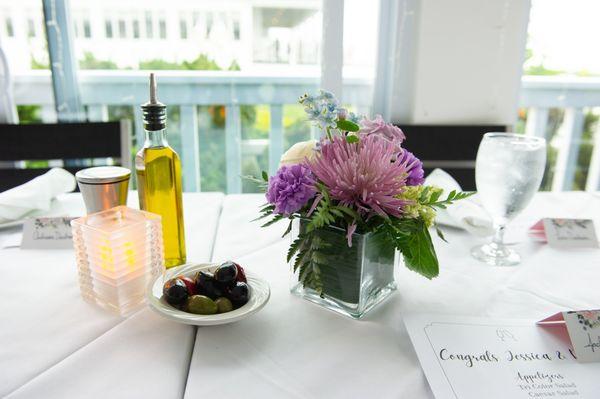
468	358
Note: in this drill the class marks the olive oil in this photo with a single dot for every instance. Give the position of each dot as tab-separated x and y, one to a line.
158	170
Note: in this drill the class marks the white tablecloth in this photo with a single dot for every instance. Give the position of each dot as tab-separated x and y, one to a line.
52	344
55	345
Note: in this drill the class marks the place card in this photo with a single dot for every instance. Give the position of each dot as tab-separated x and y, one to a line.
565	233
583	332
468	358
47	233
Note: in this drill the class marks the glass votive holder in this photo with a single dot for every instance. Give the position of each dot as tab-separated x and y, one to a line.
119	252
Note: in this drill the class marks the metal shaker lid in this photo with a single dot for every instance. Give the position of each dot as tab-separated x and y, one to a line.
103	175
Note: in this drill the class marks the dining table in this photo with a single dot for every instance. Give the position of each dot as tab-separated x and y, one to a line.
53	344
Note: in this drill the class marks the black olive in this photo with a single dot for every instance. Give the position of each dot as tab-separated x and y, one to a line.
238	294
208	286
175	291
226	273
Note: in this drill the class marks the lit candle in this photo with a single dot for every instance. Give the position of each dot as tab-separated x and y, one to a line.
119	252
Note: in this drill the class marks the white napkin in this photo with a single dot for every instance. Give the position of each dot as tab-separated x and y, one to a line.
466	214
36	194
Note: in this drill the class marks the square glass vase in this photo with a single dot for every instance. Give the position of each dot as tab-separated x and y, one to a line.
348	280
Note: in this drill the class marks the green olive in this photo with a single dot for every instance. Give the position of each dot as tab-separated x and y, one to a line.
200	304
224	305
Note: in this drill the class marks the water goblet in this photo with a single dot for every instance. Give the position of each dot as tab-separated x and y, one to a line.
508	173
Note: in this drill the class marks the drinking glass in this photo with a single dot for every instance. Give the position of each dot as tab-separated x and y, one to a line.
508	172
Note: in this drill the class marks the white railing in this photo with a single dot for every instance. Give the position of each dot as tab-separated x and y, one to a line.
540	94
188	90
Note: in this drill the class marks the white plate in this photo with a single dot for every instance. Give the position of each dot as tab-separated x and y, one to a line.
259	296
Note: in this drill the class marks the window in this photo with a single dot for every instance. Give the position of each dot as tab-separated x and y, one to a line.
87	31
10	32
236	29
136	29
122	29
162	28
30	28
108	29
149	25
209	24
183	28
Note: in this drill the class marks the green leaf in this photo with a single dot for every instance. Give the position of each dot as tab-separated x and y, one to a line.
295	247
267	208
265	176
289	228
419	253
348	211
260	183
440	233
347	126
424	194
452	197
352	139
435	195
261	217
275	219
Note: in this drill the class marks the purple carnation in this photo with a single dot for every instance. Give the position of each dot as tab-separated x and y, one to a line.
414	167
291	188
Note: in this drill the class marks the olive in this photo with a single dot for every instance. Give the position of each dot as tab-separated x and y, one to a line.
241	275
207	285
175	291
224	305
238	294
200	304
189	283
226	273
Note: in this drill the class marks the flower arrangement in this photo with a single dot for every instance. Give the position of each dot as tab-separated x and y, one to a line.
359	178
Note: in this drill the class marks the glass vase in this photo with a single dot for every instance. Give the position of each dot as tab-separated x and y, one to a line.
349	280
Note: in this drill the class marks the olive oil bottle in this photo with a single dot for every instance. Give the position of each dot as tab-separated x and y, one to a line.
158	171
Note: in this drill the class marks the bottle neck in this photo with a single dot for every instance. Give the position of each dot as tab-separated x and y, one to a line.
156	138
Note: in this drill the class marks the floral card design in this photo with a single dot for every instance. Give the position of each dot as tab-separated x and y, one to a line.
570	233
583	329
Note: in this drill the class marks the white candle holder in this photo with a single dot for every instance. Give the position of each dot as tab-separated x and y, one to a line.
119	252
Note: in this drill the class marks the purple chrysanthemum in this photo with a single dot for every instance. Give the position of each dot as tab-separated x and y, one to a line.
378	127
291	188
414	167
362	175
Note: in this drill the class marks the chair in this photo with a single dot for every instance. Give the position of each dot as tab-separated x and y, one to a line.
452	148
73	146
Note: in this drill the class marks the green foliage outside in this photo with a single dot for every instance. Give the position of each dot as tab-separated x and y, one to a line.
37	64
91	62
29	113
200	63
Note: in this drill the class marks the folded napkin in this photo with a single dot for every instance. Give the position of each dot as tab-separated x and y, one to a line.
35	195
466	214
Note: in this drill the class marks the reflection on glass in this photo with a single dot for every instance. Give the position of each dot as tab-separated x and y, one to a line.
508	172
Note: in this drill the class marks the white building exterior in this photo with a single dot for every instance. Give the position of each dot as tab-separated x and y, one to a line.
265	35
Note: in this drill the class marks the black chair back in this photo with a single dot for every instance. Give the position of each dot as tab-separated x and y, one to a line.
73	146
452	148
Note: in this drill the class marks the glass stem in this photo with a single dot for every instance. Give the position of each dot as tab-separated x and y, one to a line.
499	228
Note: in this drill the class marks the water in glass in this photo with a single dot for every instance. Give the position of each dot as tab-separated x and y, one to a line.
508	172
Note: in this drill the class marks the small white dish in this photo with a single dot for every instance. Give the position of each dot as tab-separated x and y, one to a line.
259	296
